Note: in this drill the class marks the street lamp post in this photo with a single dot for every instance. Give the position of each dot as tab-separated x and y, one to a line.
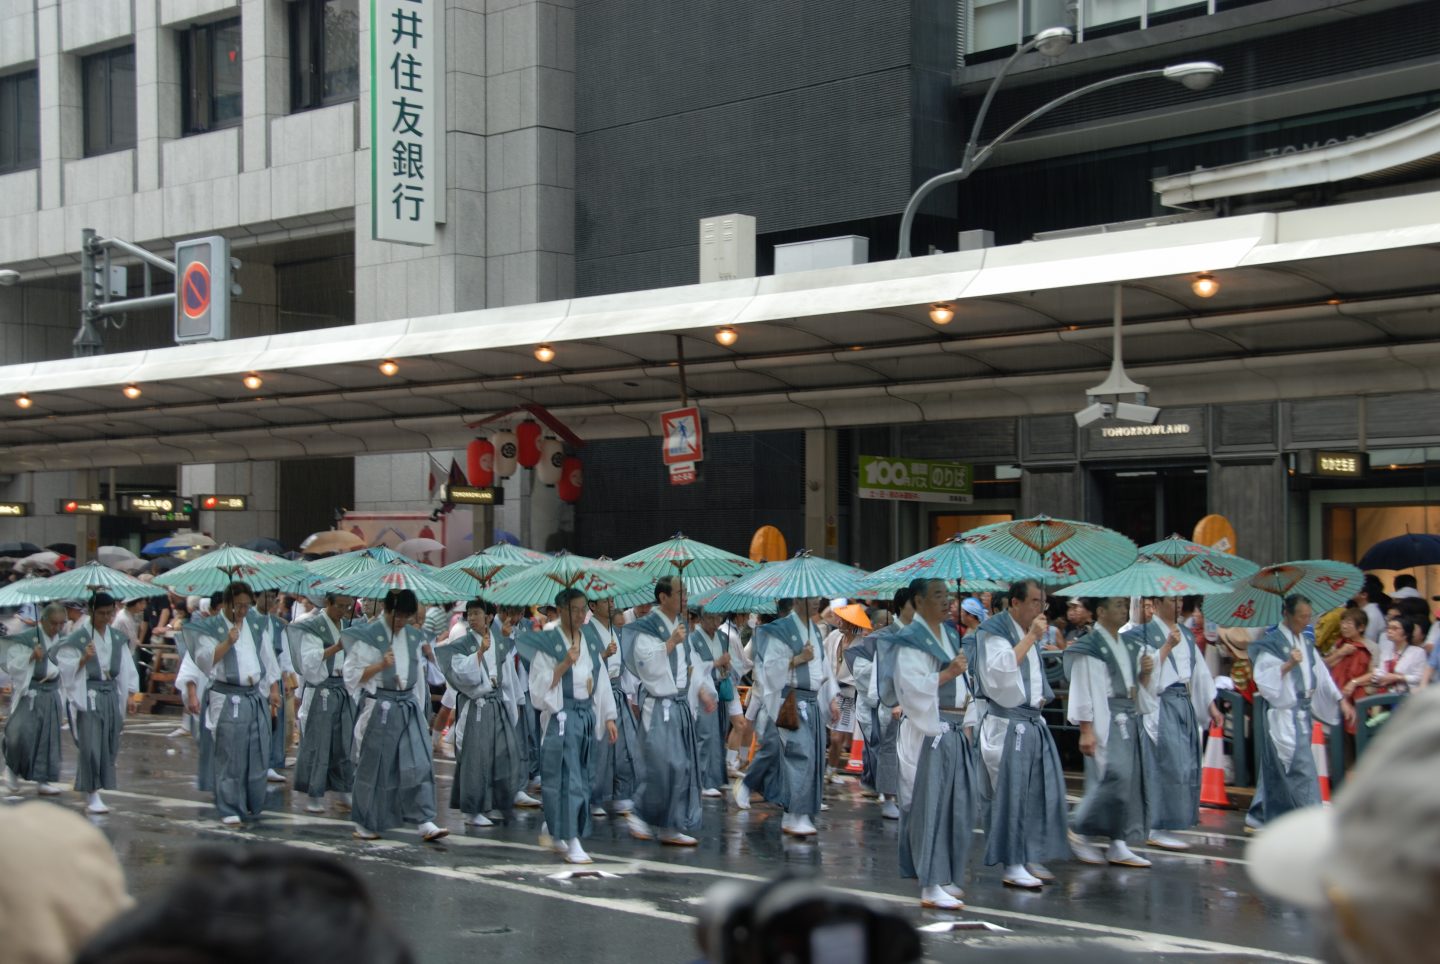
1195	76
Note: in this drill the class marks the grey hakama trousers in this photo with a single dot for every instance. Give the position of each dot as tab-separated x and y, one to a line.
279	731
242	749
97	734
394	771
669	794
1175	758
764	776
1281	788
323	761
936	830
205	746
32	734
490	768
1027	807
802	757
1117	799
866	717
710	747
530	736
886	730
618	766
567	761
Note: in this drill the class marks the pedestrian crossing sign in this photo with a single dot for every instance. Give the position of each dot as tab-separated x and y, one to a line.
680	430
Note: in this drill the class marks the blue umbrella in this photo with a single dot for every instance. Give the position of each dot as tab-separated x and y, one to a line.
1403	552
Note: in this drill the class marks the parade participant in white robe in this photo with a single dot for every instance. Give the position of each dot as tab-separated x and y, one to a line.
323	764
490	761
800	696
739	665
1112	688
885	717
568	684
234	651
269	606
709	650
98	675
763	775
657	649
394	769
194	689
939	801
618	765
1176	730
32	731
1027	823
1297	686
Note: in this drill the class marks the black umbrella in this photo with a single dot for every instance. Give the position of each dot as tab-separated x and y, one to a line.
271	546
165	563
1403	552
18	550
64	548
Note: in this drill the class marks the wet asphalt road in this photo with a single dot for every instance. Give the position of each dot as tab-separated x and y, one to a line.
490	891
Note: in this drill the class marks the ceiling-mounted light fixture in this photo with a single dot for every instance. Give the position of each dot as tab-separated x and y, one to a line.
253	381
942	313
23	400
726	335
544	353
131	391
1205	285
388	367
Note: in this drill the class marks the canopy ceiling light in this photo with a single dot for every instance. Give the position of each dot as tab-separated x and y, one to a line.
726	335
253	381
544	353
388	367
1205	285
131	391
942	312
23	400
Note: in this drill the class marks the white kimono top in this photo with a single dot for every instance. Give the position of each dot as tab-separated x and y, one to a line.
73	675
917	684
1280	692
250	670
775	668
1180	668
1090	689
550	700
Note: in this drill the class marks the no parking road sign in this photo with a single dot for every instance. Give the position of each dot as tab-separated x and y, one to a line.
202	290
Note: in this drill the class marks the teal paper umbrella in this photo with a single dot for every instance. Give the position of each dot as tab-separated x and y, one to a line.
212	572
498	562
727	600
85	581
1066	550
683	556
1258	600
19	593
1190	556
377	582
1147	579
350	563
539	584
805	576
969	567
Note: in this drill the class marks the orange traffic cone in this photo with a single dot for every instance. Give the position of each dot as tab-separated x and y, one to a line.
1212	772
1322	759
857	759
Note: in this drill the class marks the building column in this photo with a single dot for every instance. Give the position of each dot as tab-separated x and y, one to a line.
1252	495
821	493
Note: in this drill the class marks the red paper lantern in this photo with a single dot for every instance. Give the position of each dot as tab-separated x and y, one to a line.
552	461
480	462
572	479
527	434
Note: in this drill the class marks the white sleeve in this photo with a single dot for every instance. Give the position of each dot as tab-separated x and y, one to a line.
1411	666
702	680
603	699
1147	698
1325	700
471	673
543	696
357	660
829	688
1001	674
653	664
204	654
864	672
190	673
917	684
1271	683
270	665
1089	684
72	675
129	674
1202	686
312	659
774	670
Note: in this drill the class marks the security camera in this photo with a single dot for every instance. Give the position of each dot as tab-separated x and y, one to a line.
1130	412
1093	412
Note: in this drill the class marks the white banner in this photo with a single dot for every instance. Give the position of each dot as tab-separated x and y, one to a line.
407	126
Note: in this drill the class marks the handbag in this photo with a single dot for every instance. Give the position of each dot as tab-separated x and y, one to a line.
725	690
789	716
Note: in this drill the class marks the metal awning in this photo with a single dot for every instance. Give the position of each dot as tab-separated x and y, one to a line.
847	346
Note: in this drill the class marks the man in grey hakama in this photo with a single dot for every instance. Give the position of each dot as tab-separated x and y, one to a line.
32	733
885	717
618	765
490	761
1112	688
327	712
1297	687
657	649
938	800
1174	731
394	769
234	651
98	675
709	649
763	776
568	684
280	731
796	671
1027	821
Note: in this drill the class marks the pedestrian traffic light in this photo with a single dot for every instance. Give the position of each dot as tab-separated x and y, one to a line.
202	289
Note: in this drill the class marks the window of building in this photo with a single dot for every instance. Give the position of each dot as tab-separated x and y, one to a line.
109	98
324	53
995	28
19	122
211	68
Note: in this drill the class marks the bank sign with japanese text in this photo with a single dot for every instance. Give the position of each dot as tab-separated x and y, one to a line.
407	122
916	480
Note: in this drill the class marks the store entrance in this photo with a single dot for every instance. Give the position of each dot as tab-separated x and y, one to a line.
1147	504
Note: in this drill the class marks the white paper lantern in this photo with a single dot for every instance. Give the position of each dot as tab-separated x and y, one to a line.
552	460
506	449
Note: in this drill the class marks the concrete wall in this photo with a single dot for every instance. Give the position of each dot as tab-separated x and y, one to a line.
257	480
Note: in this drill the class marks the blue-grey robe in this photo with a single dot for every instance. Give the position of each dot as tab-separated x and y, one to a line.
490	762
1287	776
669	793
802	750
323	762
619	766
32	733
1174	732
97	694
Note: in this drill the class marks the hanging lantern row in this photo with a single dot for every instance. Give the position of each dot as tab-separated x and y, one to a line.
498	456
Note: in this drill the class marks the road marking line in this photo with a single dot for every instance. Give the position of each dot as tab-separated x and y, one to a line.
1151	939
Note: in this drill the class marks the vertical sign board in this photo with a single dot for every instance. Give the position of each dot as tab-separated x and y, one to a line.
407	120
682	445
202	290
